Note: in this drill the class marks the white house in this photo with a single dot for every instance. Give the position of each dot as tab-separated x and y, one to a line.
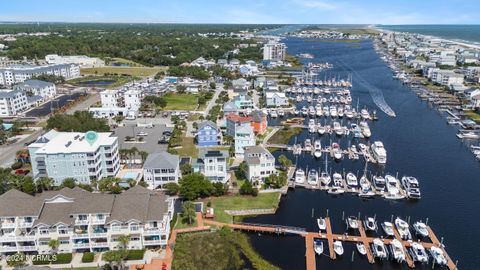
446	77
212	164
260	163
160	169
276	99
118	102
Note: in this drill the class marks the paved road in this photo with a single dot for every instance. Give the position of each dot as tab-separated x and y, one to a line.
92	99
212	103
8	151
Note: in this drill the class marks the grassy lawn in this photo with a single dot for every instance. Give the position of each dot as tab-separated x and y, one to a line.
188	102
119	60
215	251
239	202
119	80
283	136
183	223
188	147
132	71
474	115
194	117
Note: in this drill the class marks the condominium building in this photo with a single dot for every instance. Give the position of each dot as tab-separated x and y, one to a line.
83	221
81	60
260	163
12	102
213	165
117	102
274	50
61	155
46	90
17	74
446	77
160	169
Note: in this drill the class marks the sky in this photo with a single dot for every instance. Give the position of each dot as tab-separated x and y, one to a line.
245	11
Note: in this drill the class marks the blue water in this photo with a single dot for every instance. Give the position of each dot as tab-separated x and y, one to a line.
96	83
469	33
419	142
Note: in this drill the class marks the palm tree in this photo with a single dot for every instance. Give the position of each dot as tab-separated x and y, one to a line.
132	153
43	184
54	244
188	211
123	154
123	240
143	156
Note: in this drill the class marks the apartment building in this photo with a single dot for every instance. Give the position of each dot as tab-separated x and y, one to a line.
274	50
446	77
83	221
45	90
118	102
12	102
81	60
160	169
212	164
17	74
260	163
61	155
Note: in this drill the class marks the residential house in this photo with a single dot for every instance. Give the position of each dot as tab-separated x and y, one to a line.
276	99
161	168
208	134
260	163
244	136
243	102
259	122
229	107
212	164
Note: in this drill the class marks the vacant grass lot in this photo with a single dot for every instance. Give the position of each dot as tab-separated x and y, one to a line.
187	102
132	71
239	202
283	136
188	147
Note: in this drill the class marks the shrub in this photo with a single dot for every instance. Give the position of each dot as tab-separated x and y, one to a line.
63	258
17	165
87	257
136	254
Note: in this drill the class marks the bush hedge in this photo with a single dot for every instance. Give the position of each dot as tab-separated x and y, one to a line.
87	257
17	165
135	254
63	258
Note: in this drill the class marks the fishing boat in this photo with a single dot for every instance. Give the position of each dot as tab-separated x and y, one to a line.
397	251
379	250
318	246
393	191
312	178
411	186
388	228
418	253
361	248
352	180
338	247
322	225
317	145
420	229
402	228
370	224
299	176
438	256
352	222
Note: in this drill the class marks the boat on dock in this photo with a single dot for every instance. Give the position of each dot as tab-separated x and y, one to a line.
364	114
352	180
379	152
322	225
318	246
338	247
411	186
420	229
402	228
379	183
397	251
312	126
325	178
312	177
366	132
352	222
418	253
299	176
388	228
317	145
470	135
365	188
336	151
308	145
393	190
273	114
438	256
379	250
321	129
370	224
361	248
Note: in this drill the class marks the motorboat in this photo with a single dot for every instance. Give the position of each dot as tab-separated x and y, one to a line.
337	128
352	180
357	131
299	176
402	228
312	177
325	178
388	228
304	111
370	224
364	114
318	246
468	135
336	151
299	98
418	253
312	126
349	114
337	187
317	145
361	248
321	129
420	229
352	222
365	129
411	186
438	256
397	251
379	152
379	250
322	225
333	111
326	111
308	145
379	183
296	112
338	247
393	191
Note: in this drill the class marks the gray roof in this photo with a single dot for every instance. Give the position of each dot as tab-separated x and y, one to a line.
6	93
34	84
253	153
207	123
229	106
17	203
257	116
162	160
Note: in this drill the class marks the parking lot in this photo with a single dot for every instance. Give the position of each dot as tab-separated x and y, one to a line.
150	135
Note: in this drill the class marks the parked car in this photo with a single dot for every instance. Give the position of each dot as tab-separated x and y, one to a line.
163	140
24	172
167	133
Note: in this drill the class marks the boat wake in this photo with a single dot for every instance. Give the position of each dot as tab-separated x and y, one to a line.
375	93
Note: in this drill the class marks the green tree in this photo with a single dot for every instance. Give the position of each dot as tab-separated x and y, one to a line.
219	189
285	162
53	244
80	121
194	186
109	185
241	173
186	168
213	85
248	189
43	184
143	155
68	182
171	188
188	212
113	256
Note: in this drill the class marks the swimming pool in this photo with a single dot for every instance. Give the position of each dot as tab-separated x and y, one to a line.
130	175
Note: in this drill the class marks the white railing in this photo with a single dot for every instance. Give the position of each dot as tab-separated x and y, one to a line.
81	222
27	248
8	225
98	235
96	221
154	242
8	238
99	244
81	245
79	235
8	249
25	224
26	238
153	231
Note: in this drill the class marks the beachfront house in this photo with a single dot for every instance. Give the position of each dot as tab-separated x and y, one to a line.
208	134
213	165
260	163
244	136
161	168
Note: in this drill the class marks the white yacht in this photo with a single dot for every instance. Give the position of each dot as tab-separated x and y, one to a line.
336	151
411	186
379	152
364	114
312	177
337	128
338	247
308	145
379	183
322	225
365	129
304	111
420	229
388	228
438	256
311	111
393	191
326	111
317	145
352	222
296	112
333	111
325	178
379	250
361	248
321	129
281	113
418	253
299	98
318	246
352	180
299	176
370	224
365	188
402	228
397	251
312	126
